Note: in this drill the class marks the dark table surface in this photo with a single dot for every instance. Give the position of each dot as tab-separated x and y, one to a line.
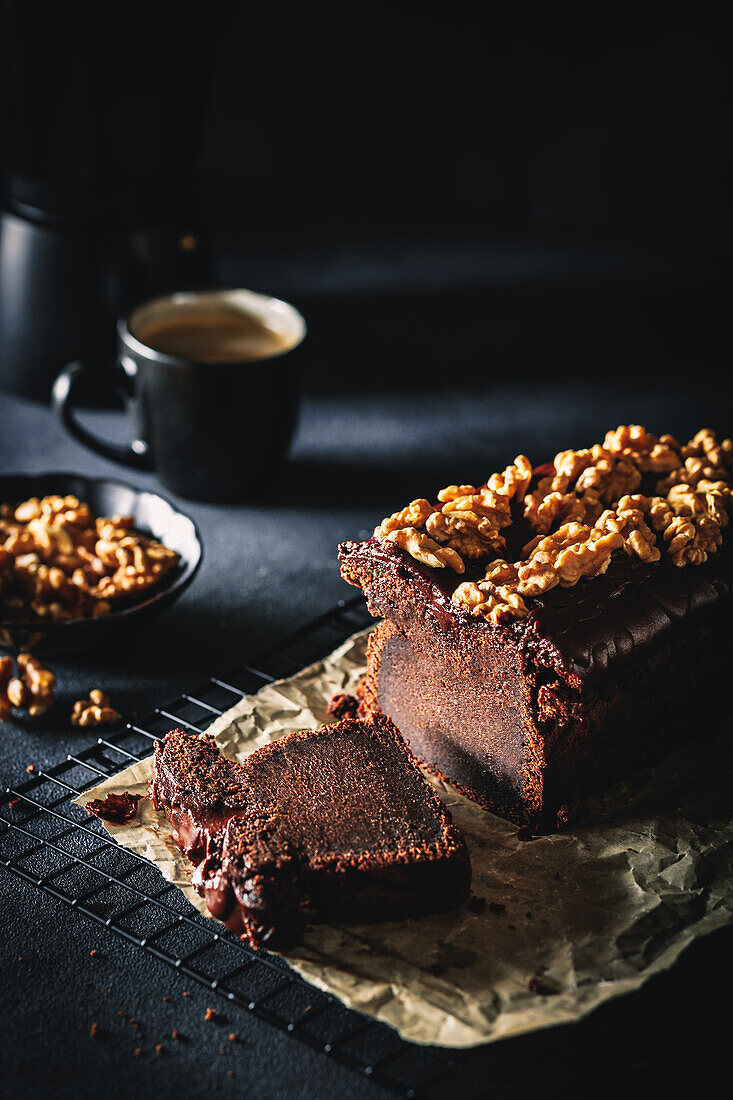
365	445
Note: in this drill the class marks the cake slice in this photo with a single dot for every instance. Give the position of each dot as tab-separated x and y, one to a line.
553	629
334	824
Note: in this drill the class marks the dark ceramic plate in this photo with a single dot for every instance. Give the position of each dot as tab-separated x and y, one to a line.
153	515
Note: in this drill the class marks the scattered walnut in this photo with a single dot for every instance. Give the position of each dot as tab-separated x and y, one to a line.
425	549
94	711
413	516
32	687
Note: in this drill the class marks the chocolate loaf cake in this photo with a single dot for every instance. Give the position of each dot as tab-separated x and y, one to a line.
548	632
336	824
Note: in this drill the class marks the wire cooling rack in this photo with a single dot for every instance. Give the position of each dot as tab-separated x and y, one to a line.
50	842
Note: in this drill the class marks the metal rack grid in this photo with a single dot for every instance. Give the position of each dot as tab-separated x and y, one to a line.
50	842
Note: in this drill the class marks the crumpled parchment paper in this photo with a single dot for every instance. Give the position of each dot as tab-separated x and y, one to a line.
569	920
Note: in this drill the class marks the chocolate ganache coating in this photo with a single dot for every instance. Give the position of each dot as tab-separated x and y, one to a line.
586	632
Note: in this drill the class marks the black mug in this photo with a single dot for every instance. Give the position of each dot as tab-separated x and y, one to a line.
212	379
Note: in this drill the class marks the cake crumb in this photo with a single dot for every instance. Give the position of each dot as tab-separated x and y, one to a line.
210	1014
175	1034
159	1048
232	1037
31	768
343	705
138	1051
13	802
93	951
94	1030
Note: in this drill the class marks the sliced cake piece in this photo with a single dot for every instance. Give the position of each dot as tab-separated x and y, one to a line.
333	824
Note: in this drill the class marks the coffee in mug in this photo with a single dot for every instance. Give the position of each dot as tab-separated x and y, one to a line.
212	379
215	336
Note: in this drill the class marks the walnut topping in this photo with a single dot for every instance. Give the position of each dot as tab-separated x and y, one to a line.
685	501
470	540
414	515
584	510
569	465
691	539
630	524
610	475
573	551
645	450
515	480
487	509
94	711
424	549
703	459
544	511
497	604
453	492
657	509
705	445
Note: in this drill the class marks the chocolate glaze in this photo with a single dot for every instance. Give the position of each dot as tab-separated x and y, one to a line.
585	633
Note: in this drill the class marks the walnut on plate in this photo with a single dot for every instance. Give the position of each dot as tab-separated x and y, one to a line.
57	562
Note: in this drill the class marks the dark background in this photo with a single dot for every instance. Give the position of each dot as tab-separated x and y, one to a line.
477	171
508	230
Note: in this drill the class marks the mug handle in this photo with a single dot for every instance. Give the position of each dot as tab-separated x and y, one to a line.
135	454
